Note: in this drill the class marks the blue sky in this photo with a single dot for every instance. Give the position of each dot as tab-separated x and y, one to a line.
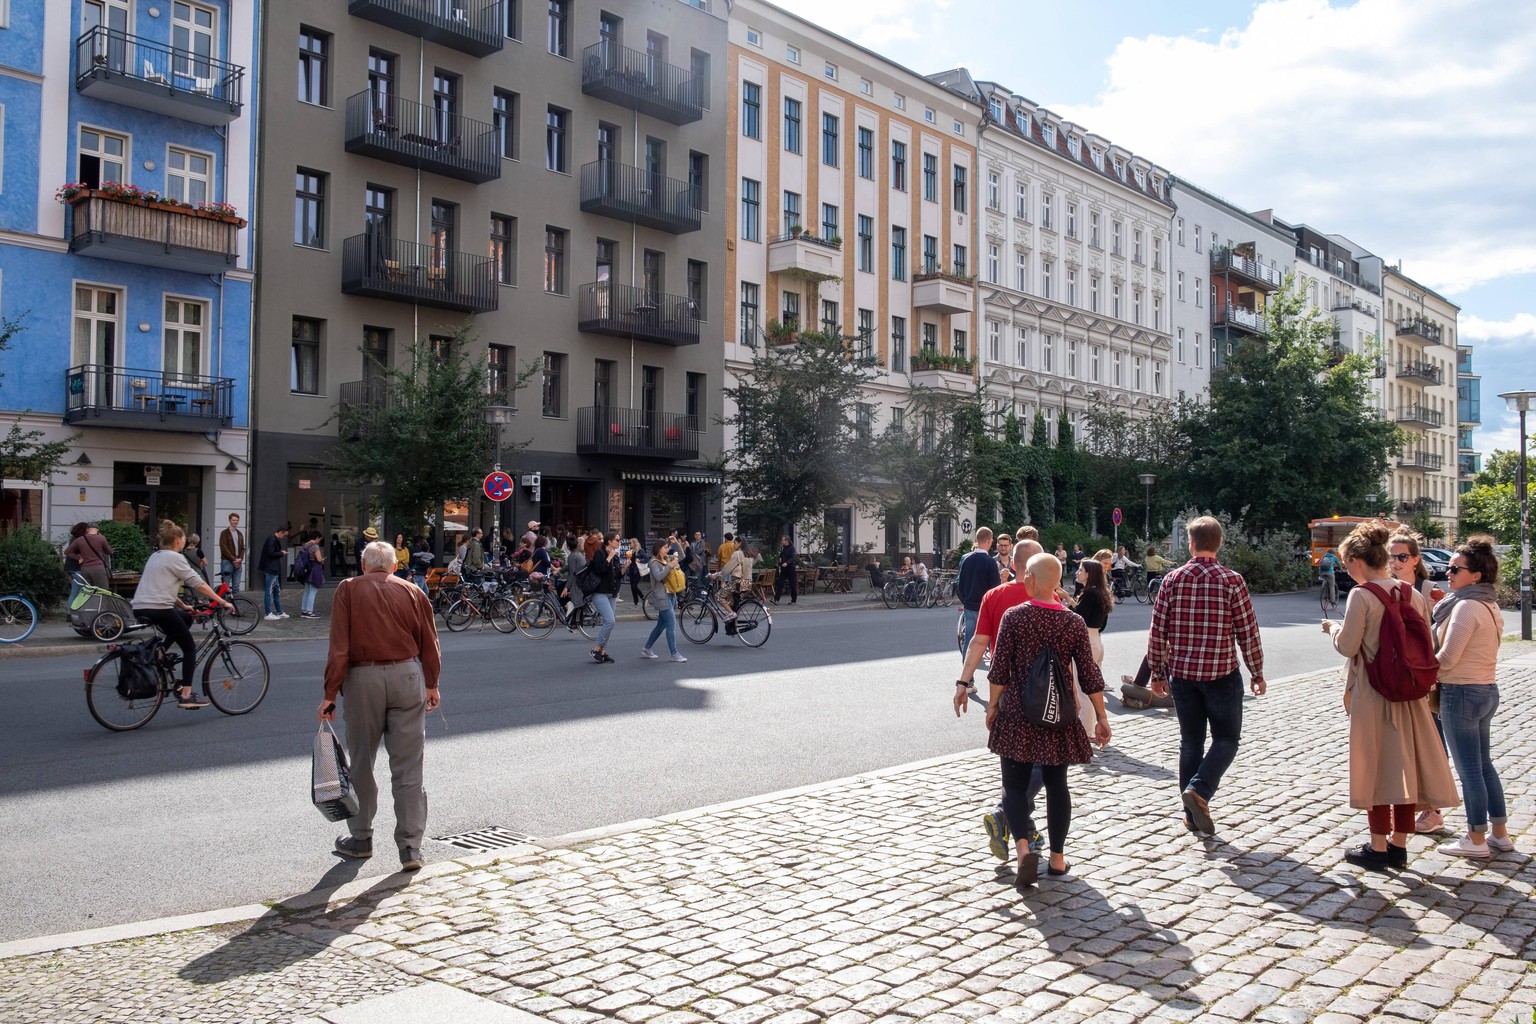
1407	125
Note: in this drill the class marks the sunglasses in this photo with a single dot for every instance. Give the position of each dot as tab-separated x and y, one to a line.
1401	558
1453	570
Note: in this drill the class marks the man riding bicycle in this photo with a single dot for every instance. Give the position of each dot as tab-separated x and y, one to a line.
1327	569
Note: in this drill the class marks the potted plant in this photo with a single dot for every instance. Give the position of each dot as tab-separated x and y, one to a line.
794	230
778	332
835	240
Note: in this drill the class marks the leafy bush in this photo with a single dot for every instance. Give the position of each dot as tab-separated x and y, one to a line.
1272	563
1068	534
1507	587
130	548
32	567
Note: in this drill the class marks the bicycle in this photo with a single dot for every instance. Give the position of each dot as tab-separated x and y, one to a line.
538	615
483	599
18	618
700	614
235	675
240	622
1329	598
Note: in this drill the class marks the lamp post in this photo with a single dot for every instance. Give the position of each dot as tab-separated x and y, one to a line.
497	415
1147	480
1520	402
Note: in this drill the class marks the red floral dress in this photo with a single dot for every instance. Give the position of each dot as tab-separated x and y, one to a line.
1021	634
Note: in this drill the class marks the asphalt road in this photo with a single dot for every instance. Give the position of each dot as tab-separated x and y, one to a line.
199	811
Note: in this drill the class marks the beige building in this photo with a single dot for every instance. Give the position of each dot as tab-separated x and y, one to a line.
1419	363
853	183
550	171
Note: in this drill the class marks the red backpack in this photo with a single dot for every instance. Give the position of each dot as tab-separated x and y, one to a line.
1405	667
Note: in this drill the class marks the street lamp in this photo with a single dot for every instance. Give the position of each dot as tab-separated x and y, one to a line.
1520	402
497	415
1147	480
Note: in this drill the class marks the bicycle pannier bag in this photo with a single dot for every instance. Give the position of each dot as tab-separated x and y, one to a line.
1404	668
675	582
1047	702
330	778
136	677
587	580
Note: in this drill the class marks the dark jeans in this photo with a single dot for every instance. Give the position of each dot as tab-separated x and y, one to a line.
1019	801
1217	703
176	625
786	579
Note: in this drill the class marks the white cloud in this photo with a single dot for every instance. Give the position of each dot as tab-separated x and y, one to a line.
878	24
1519	328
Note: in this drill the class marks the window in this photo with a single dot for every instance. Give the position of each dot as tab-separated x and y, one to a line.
554	260
1095	235
792	54
511	19
1021	346
1021	270
1178	232
994	334
929	116
602	383
693	399
1198	350
504	120
866	255
994	263
1047	344
698	73
960	188
829	139
930	342
930	254
1093	292
1178	286
1046	201
304	358
1093	364
1178	348
652	280
994	192
375	351
1047	271
557	124
559	28
754	37
309	209
314	75
103	157
792	142
899	166
1157	312
930	177
1157	376
445	106
1071	220
551	387
1199	293
381	84
697	275
1114	238
863	419
1116	379
866	87
792	215
831	316
1197	238
498	371
698	179
1071	286
1139	377
1136	245
748	314
958	343
504	248
1021	201
829	229
1136	305
790	317
1114	301
1157	252
751	210
188	175
898	101
182	353
899	344
898	254
866	333
751	110
1072	358
866	161
830	70
961	261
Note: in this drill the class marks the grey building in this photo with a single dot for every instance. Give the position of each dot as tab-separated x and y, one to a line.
553	171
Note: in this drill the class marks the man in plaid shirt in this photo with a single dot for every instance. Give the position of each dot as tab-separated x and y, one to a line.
1200	617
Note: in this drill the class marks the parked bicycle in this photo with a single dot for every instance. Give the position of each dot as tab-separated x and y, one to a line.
907	590
1132	582
701	613
18	618
481	598
127	685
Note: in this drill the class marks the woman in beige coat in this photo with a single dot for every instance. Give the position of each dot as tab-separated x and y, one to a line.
1396	760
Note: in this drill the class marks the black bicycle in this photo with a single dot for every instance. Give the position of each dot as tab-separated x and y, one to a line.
701	612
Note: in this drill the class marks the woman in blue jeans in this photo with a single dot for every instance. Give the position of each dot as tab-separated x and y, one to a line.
607	567
1468	629
663	561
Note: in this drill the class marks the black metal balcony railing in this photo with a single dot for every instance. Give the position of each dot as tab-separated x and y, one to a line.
1415	369
809	239
1379	370
1224	260
607	430
1419	415
1417	325
1343	305
111	396
387	268
1421	460
155	76
416	135
626	311
152	236
475	27
639	196
1415	505
637	80
1347	276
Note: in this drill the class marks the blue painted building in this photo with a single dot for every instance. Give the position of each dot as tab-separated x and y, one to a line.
127	163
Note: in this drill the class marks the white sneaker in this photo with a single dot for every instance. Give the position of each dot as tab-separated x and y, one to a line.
646	652
1502	845
273	616
678	657
1429	821
1465	847
282	615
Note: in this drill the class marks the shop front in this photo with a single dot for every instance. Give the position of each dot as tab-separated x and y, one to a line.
651	504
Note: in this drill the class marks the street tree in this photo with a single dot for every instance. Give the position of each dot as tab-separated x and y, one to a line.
27	454
1501	468
798	446
1495	509
924	461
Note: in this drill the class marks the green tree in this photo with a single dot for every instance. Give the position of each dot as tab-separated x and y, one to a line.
1495	509
922	465
27	454
420	430
799	448
1501	467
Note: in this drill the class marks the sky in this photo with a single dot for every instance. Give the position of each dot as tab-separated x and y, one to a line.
1409	126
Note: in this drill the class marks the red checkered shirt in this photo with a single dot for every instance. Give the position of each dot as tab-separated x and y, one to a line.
1201	616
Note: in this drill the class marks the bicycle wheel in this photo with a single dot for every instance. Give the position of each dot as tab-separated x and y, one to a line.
697	621
645	606
243	619
916	593
235	676
111	708
753	623
503	615
107	626
588	621
891	592
458	615
1139	588
1323	596
536	618
17	619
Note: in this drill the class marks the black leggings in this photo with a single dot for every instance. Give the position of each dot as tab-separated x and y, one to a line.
176	625
1019	804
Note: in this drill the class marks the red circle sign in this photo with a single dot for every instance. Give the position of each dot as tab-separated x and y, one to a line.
1116	517
498	486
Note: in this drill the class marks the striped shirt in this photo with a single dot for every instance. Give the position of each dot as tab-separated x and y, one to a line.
1201	616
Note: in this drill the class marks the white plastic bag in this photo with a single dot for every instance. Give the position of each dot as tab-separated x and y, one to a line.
331	780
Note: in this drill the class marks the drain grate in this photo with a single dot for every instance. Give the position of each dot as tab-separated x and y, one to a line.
496	837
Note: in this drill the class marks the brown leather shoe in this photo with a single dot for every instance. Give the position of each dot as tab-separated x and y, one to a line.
1199	810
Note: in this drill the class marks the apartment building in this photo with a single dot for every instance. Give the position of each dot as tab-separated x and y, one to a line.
1469	415
1226	264
1074	270
854	193
551	173
124	256
1420	358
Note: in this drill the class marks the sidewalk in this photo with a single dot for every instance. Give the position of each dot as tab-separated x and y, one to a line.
874	899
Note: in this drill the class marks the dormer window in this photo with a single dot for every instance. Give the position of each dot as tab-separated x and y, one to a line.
1075	146
1141	179
995	109
1048	132
1119	168
1098	157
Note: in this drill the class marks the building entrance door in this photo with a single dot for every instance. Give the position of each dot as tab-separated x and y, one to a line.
177	496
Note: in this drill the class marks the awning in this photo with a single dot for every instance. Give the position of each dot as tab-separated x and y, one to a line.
676	477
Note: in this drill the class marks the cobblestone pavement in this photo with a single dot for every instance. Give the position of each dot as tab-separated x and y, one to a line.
874	899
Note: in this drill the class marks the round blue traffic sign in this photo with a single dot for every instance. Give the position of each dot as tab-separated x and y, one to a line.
1116	517
498	486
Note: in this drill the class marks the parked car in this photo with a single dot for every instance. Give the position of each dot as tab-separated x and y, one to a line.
1437	562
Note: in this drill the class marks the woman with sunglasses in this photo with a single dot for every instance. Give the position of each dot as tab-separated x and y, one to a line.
1468	630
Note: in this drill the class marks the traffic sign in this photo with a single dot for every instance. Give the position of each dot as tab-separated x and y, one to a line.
1116	517
498	486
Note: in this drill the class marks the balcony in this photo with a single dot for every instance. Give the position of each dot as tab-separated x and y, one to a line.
951	374
1417	326
805	256
1416	506
1420	416
638	81
943	293
1347	276
469	26
1353	305
1414	369
415	135
607	430
387	268
142	73
1248	271
637	196
151	233
1421	460
627	311
109	396
1238	318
